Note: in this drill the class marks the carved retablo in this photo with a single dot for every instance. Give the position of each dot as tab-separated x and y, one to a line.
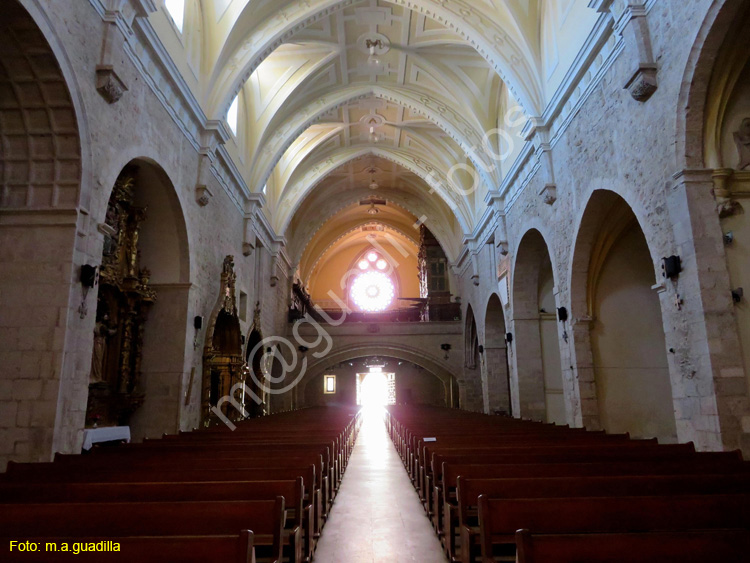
223	365
125	298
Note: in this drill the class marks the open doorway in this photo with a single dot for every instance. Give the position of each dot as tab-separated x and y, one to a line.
376	388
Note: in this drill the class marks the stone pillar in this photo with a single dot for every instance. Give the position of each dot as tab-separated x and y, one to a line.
529	369
708	378
166	364
496	365
580	382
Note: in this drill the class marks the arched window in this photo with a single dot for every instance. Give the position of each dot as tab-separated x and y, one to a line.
232	114
176	10
373	289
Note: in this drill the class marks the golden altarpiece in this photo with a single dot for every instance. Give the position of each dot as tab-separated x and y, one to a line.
223	365
123	303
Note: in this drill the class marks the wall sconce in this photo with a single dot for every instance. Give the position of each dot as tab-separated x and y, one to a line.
445	348
671	267
562	314
509	337
197	325
88	277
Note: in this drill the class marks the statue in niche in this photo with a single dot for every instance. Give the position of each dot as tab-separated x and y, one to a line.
102	333
742	138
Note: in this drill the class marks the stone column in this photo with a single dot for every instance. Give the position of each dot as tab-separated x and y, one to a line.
497	379
580	382
166	364
708	378
529	369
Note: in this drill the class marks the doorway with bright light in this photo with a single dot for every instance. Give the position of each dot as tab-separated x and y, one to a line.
375	388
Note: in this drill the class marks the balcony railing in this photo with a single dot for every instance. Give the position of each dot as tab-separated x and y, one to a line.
411	311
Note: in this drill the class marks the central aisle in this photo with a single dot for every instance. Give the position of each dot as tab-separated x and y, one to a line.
377	516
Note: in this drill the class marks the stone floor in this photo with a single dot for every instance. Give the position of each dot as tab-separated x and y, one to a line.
377	516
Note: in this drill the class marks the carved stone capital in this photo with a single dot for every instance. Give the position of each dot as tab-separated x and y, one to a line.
643	83
203	195
726	205
109	84
549	194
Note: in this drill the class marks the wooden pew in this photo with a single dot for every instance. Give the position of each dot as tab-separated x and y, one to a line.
578	454
144	549
117	519
697	546
332	464
291	491
462	521
488	444
210	465
500	518
41	474
101	469
500	439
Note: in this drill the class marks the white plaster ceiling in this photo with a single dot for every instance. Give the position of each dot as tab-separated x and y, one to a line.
309	98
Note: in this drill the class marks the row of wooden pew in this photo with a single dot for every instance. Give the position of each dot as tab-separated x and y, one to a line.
498	489
259	493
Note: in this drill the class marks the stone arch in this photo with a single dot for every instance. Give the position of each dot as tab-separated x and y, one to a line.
708	190
471	340
537	350
619	341
428	171
428	208
430	363
414	384
344	234
163	249
495	368
45	165
693	99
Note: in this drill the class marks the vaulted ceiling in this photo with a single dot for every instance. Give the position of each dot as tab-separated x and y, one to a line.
320	119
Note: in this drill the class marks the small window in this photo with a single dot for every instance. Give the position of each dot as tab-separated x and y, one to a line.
329	384
232	114
176	9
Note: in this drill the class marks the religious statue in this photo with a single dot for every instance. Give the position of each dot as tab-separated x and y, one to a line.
742	138
133	254
102	332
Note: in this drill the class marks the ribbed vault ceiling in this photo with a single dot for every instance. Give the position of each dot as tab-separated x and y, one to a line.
316	114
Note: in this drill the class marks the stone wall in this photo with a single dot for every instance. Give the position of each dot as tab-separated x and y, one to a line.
47	320
619	144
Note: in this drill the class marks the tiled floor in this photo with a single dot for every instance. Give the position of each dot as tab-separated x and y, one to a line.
377	516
